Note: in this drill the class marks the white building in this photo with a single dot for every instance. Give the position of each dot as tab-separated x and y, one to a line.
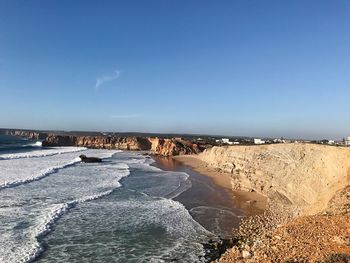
227	141
347	141
258	141
331	142
224	140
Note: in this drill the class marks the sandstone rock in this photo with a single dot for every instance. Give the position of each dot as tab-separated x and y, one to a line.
246	254
160	146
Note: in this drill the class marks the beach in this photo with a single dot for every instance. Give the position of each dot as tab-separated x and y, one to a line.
55	208
231	204
211	200
307	213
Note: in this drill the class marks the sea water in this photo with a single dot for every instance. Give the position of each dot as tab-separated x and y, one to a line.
53	208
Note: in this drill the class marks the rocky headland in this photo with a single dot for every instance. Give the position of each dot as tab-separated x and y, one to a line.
32	135
308	214
160	146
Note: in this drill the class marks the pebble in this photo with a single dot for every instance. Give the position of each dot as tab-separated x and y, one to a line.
246	254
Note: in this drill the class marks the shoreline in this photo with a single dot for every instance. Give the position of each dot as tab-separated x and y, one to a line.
204	198
213	203
252	203
211	192
307	217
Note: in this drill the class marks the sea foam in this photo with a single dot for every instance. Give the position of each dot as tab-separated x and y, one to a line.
41	153
21	170
45	227
41	203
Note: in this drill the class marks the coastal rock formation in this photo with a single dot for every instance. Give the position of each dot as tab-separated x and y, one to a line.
304	176
98	142
32	135
160	146
86	159
309	201
172	147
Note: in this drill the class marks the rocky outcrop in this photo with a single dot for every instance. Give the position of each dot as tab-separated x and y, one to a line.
308	193
98	142
175	146
160	146
305	176
86	159
32	135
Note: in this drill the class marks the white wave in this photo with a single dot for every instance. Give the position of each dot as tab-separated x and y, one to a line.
36	144
17	171
45	227
104	153
134	214
39	176
42	153
50	199
178	182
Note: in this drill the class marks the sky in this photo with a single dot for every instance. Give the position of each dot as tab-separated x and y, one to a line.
238	68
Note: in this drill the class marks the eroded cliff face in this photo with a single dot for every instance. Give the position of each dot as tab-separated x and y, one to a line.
174	146
305	176
98	142
27	134
160	146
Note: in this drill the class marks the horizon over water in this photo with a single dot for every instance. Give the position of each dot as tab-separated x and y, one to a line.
56	209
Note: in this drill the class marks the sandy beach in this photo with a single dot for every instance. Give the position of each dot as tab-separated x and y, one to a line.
251	203
211	200
307	214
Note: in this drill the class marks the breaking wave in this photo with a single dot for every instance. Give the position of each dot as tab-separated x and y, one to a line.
42	153
39	176
45	227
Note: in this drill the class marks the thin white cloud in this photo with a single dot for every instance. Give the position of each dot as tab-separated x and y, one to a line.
126	116
107	78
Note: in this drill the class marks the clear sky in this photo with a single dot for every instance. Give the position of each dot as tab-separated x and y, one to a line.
256	68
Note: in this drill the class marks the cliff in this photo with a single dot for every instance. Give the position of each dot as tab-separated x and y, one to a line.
174	146
159	146
303	176
33	135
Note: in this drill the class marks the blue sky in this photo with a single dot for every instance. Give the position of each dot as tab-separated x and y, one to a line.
256	68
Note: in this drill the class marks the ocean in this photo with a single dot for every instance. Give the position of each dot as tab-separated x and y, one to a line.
53	208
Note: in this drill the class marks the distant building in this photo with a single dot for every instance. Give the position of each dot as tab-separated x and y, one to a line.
258	141
279	141
224	141
347	141
331	142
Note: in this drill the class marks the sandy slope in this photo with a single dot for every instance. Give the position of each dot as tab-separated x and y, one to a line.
308	192
303	176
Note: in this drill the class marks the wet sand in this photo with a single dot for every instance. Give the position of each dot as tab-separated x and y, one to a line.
210	200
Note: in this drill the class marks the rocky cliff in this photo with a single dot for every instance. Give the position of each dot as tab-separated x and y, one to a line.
174	146
160	146
305	176
33	135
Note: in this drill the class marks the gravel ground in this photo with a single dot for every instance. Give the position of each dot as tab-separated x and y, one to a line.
279	236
